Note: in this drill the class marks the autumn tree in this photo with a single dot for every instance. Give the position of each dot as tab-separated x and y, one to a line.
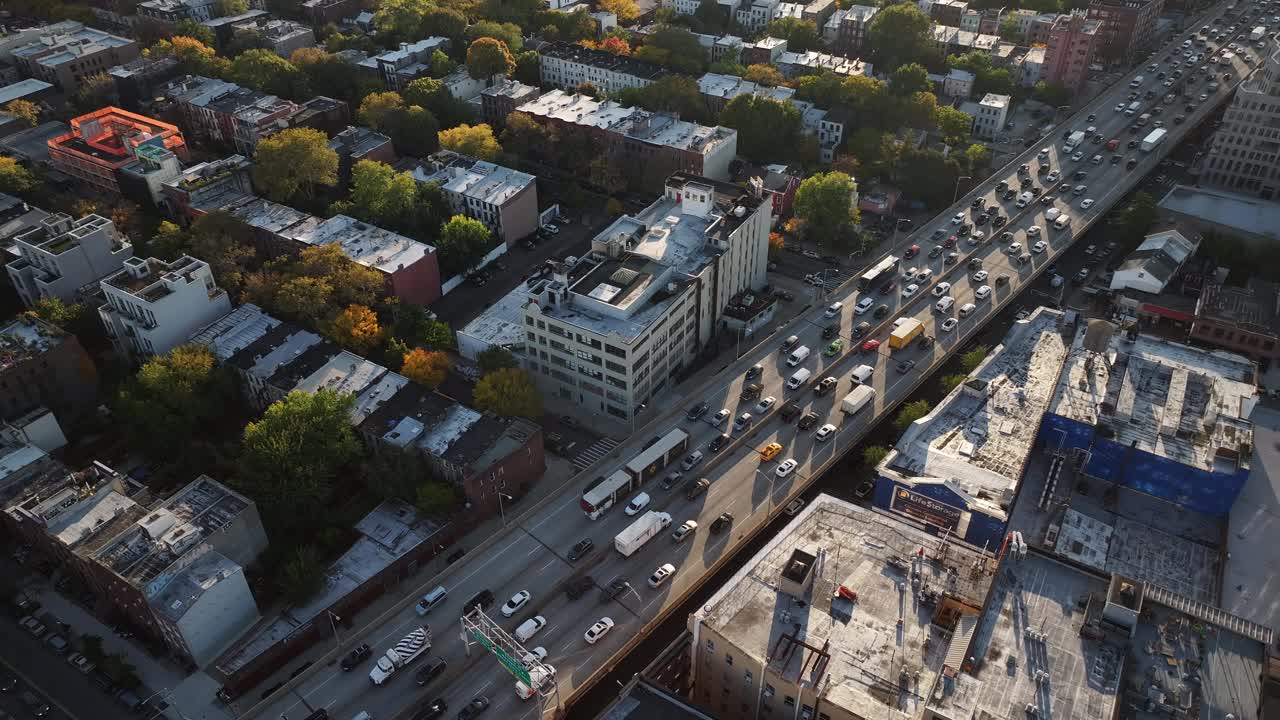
14	178
426	367
378	107
626	10
507	33
777	244
474	140
432	94
193	56
25	110
356	328
488	57
294	162
266	71
614	45
402	19
463	244
762	74
508	392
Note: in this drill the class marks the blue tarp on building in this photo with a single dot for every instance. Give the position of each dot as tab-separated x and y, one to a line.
940	508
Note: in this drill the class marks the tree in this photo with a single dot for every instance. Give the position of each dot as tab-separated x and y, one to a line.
931	176
528	67
91	647
508	33
381	196
801	35
972	359
900	34
351	283
710	18
266	71
378	107
910	413
1010	31
613	207
294	161
615	45
673	93
223	8
987	77
474	140
524	137
290	458
777	244
1054	95
1139	215
96	91
441	65
977	157
909	79
356	328
495	358
415	327
432	95
169	407
426	367
302	575
435	498
25	110
766	128
463	244
626	10
825	203
193	56
509	392
872	455
728	67
188	27
74	318
673	47
488	57
402	19
951	381
226	243
766	75
954	125
14	178
444	22
414	131
331	76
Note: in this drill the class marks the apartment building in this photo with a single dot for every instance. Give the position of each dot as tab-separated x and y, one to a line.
847	28
139	79
757	15
1022	19
358	143
948	12
1128	26
172	11
280	36
41	366
207	186
60	256
1031	70
991	113
608	333
321	12
70	53
142	180
718	90
639	139
1245	319
954	41
1072	44
397	68
567	65
102	142
152	306
502	98
812	62
1244	155
503	199
25	444
226	113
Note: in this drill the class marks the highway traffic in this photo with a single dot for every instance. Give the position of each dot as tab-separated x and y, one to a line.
967	258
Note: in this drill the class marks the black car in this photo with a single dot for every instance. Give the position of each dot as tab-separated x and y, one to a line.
1115	159
905	366
1131	164
1043	169
672	479
484	599
789	411
436	709
455	556
616	587
580	549
1079	175
999	221
977	202
718	442
697	411
830	331
936	251
430	671
577	587
861	329
356	656
981	219
1010	194
808	421
722	523
824	386
883	310
474	708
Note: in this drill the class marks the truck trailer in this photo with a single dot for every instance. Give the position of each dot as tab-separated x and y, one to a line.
858	398
635	535
1153	139
1073	141
406	651
902	335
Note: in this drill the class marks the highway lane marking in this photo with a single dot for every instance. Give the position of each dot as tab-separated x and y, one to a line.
548	564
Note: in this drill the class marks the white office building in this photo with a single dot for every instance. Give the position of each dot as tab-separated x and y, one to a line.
153	306
1245	156
60	256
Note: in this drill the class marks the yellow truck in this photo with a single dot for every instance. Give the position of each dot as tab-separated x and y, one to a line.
906	331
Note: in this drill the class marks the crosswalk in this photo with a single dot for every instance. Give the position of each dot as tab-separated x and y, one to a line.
597	450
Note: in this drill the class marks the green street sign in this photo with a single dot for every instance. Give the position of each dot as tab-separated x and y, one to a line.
516	668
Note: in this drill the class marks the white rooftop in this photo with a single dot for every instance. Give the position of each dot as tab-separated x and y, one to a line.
502	323
729	87
375	395
344	373
995	100
484	181
233	332
455	424
366	244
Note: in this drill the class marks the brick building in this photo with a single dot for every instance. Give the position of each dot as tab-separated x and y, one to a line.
1241	319
43	366
1128	26
106	140
1070	49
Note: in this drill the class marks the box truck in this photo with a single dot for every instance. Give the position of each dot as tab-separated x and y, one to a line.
406	651
1153	139
1073	141
639	532
858	398
902	335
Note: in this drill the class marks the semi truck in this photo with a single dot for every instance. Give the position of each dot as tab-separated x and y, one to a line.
1073	141
858	398
406	651
1154	138
639	532
905	333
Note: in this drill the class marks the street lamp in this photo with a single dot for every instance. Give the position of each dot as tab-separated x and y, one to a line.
502	511
956	195
333	621
639	409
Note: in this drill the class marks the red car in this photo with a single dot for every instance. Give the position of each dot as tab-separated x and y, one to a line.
871	346
912	251
887	287
950	241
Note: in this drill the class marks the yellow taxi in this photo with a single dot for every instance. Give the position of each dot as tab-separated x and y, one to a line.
770	452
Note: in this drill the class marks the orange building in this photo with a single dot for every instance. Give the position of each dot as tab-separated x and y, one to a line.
106	140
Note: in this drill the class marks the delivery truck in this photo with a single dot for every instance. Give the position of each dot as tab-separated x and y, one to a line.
406	651
635	535
1258	33
1154	138
1074	140
860	397
902	335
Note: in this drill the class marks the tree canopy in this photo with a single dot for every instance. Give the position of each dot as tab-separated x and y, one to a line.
488	57
824	202
474	140
955	125
426	367
293	162
626	10
508	33
508	392
463	244
909	79
766	75
266	71
14	178
25	110
766	128
900	34
357	329
801	35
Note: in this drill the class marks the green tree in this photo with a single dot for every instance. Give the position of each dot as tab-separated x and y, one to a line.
951	381
223	8
14	178
192	29
426	367
766	128
463	244
435	498
169	407
727	67
824	202
673	93
1054	95
226	243
766	75
801	35
432	95
25	110
414	131
1139	215
474	140
987	77
1010	30
972	359
910	413
302	575
508	33
977	158
441	65
74	318
495	358
382	196
710	18
391	475
954	125
416	327
509	392
674	47
826	90
402	19
900	34
488	57
873	455
266	71
444	22
331	76
931	176
294	162
96	91
193	56
528	67
378	107
909	79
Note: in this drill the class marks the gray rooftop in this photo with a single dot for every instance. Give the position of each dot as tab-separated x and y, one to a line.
233	332
189	584
22	89
1224	209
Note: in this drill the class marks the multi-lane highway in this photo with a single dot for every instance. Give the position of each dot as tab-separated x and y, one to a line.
532	554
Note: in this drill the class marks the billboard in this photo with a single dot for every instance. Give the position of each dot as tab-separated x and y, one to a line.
930	511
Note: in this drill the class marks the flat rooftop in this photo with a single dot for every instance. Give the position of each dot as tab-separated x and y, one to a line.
1032	624
484	181
1173	401
978	438
613	282
502	323
22	89
1225	209
1251	575
874	645
362	243
188	585
23	338
640	125
232	333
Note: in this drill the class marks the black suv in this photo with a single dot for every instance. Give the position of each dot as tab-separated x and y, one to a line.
577	587
721	523
830	331
431	671
484	599
356	656
718	442
698	410
789	411
580	549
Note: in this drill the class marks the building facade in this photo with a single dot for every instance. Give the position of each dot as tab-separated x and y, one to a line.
106	140
1245	153
397	68
172	11
223	112
501	99
71	53
153	306
568	65
1245	320
1070	49
989	120
42	366
1128	26
60	256
503	199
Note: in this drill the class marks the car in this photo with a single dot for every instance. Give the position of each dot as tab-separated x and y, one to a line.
949	324
1080	190
808	421
914	250
770	451
905	366
1131	164
1120	107
1053	177
764	405
1006	237
936	250
1047	200
880	312
979	276
691	460
830	331
1009	194
998	221
887	286
1078	157
835	347
977	237
786	467
1080	276
809	254
578	586
957	218
833	310
950	242
721	523
581	548
698	410
718	442
742	422
981	219
870	346
983	292
864	304
474	709
1090	250
720	417
660	575
358	654
910	290
598	629
941	289
861	329
1015	248
521	598
637	504
924	275
687	528
436	709
432	670
1039	247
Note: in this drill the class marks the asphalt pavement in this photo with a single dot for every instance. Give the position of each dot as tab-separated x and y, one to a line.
42	672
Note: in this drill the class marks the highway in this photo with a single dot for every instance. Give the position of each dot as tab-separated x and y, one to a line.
532	554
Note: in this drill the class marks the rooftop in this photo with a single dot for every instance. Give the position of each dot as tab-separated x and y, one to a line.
366	244
270	217
640	125
1226	209
17	216
977	439
1255	307
26	337
502	323
1155	261
995	100
234	332
479	179
407	53
728	87
151	279
572	52
1177	402
278	346
357	140
826	602
112	135
814	60
510	88
1254	530
250	14
344	372
63	47
58	233
22	89
189	584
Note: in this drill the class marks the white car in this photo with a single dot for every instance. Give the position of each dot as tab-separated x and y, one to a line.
949	324
1044	152
534	656
1120	107
983	292
824	432
863	305
660	575
764	405
551	228
685	530
941	289
909	290
637	504
976	237
786	467
957	218
1039	247
979	276
1086	203
598	630
721	417
1014	248
833	309
1052	177
516	602
1078	157
924	275
1033	231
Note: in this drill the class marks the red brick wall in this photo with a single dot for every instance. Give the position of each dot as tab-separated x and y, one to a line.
418	283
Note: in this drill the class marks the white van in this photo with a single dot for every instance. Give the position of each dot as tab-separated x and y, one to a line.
432	599
798	355
800	377
862	374
1062	221
967	309
530	627
1025	199
1133	108
540	675
944	305
1137	82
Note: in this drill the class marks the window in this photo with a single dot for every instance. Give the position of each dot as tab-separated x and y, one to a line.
768	690
789	701
728	659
